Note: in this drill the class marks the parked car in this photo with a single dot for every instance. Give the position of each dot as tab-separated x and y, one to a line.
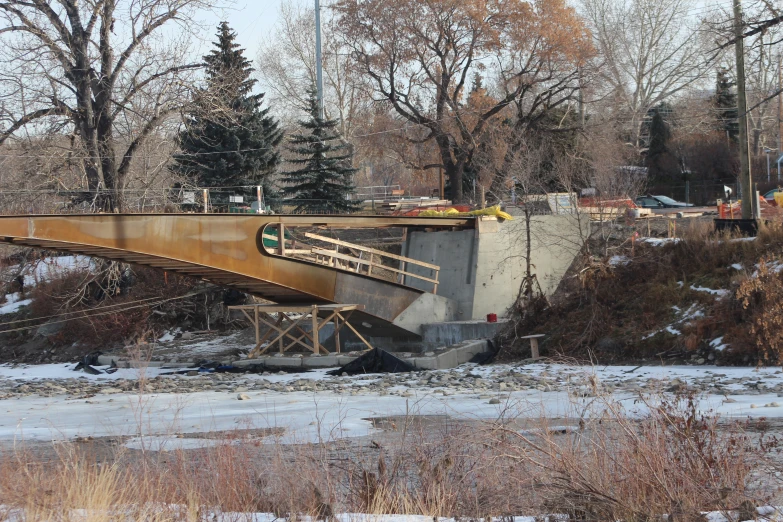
770	196
649	201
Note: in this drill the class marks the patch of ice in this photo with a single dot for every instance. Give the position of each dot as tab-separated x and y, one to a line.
619	261
719	292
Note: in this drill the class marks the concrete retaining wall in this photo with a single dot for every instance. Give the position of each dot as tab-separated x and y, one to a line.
482	269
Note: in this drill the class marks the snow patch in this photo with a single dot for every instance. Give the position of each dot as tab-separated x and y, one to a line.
718	345
50	268
660	241
13	303
737	266
169	335
719	292
619	261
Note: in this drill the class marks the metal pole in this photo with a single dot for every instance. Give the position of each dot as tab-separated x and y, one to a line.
780	112
768	167
742	108
319	80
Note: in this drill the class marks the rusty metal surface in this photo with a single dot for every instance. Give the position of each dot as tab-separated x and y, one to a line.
355	221
223	249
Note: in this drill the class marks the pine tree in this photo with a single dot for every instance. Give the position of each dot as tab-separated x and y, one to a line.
726	105
323	181
228	140
661	162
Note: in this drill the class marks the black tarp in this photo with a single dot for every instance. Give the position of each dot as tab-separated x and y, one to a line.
375	361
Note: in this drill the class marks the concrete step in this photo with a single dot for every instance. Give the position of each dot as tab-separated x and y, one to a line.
451	333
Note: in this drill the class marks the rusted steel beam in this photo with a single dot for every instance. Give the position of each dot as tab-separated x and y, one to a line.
227	249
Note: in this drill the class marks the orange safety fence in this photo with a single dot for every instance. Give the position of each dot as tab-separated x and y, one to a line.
733	210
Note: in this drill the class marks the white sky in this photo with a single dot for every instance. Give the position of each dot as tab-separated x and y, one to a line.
252	20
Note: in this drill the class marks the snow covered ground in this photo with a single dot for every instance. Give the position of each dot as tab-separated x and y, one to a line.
314	406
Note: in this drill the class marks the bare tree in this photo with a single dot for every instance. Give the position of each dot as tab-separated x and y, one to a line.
286	66
649	51
421	57
96	69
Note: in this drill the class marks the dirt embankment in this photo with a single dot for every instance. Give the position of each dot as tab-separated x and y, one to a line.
701	298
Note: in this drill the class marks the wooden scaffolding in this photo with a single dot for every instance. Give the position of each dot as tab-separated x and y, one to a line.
285	330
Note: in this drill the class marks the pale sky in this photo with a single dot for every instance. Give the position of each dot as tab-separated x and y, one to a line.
252	20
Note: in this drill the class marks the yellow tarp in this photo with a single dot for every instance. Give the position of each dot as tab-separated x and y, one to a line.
453	212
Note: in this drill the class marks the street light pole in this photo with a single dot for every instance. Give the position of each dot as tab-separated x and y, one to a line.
319	80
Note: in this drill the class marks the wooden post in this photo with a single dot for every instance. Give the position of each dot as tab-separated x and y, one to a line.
282	319
435	286
258	334
316	344
281	239
337	332
534	348
369	267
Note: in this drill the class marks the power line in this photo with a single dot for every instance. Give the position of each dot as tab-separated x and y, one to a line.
86	316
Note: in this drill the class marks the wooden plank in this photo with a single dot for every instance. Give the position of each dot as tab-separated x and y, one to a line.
316	344
258	333
366	262
274	238
358	335
319	326
371	250
534	348
284	332
337	333
272	328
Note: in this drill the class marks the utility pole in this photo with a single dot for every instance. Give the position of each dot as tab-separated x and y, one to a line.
319	79
780	114
742	108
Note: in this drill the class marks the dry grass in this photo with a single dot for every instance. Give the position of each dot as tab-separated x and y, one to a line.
614	466
608	311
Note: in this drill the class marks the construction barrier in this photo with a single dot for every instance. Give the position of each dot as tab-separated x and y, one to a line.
453	212
733	210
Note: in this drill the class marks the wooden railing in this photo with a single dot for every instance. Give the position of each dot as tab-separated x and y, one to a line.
368	261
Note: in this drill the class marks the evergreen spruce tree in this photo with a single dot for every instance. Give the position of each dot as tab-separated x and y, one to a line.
228	140
726	105
661	162
323	180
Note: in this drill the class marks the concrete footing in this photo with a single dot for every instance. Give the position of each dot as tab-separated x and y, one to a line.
448	334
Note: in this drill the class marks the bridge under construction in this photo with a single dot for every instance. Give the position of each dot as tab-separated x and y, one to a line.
449	268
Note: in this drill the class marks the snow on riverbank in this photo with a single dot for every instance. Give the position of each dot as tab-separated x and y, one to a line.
310	416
